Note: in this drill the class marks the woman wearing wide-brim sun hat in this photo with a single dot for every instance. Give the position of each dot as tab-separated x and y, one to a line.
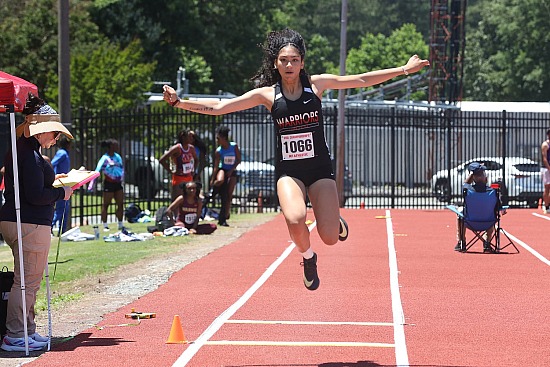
38	123
37	197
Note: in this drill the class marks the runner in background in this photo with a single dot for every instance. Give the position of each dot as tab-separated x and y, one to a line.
303	163
224	176
61	163
112	167
181	161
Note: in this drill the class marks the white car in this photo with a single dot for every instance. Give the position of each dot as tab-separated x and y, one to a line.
522	179
254	178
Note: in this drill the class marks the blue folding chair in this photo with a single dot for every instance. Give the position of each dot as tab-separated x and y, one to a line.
481	212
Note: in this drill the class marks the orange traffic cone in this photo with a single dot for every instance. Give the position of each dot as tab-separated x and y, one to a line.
176	333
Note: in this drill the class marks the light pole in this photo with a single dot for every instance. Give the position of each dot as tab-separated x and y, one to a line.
341	107
64	72
64	61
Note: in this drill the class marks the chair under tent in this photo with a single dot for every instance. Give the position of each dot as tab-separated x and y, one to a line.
482	212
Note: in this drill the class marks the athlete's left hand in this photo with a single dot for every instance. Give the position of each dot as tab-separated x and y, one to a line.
415	64
169	94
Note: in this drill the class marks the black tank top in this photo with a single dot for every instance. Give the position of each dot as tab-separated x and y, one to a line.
301	142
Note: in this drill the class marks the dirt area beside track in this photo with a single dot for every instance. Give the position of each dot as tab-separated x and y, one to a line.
109	292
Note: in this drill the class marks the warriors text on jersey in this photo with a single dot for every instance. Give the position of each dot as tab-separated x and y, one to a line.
301	143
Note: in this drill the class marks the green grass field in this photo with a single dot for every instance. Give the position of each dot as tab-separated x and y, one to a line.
78	260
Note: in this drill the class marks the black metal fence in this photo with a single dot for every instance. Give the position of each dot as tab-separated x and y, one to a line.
415	157
401	156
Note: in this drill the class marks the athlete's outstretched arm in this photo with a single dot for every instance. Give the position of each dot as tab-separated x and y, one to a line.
330	81
253	98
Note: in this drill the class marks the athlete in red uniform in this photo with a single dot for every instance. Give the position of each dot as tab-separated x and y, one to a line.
180	160
187	211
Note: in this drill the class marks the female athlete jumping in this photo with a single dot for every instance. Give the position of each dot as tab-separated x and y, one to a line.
303	163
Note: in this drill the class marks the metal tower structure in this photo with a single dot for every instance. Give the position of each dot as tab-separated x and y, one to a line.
447	39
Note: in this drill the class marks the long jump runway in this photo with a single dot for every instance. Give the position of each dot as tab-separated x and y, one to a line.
394	294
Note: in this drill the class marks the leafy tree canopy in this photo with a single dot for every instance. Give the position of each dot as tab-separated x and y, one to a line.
29	38
216	41
507	52
110	77
197	71
381	52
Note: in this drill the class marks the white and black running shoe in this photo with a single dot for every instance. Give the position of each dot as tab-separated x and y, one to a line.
343	235
311	279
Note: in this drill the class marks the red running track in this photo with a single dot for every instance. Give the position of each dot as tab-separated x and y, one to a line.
406	299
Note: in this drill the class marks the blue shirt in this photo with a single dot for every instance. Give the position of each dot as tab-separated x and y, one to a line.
61	162
112	167
228	156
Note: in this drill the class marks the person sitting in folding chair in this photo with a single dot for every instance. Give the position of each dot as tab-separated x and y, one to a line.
477	182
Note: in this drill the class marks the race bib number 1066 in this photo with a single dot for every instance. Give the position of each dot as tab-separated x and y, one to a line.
297	146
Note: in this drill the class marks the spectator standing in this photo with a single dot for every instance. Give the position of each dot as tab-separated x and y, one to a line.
224	175
113	177
2	187
200	150
41	130
61	163
181	161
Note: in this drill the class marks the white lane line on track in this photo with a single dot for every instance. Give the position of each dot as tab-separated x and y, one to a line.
401	356
527	247
188	354
287	322
541	216
298	344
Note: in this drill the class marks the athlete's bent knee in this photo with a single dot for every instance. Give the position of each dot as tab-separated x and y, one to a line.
328	239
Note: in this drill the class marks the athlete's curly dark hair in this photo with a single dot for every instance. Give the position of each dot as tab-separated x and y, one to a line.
267	75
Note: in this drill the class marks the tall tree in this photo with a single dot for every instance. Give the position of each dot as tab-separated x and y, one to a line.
322	18
219	31
197	71
110	77
380	52
29	38
220	36
507	52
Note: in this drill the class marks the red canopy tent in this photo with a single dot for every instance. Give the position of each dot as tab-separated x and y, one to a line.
14	91
13	95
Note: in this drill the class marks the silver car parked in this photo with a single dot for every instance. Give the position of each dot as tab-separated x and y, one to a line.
522	179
